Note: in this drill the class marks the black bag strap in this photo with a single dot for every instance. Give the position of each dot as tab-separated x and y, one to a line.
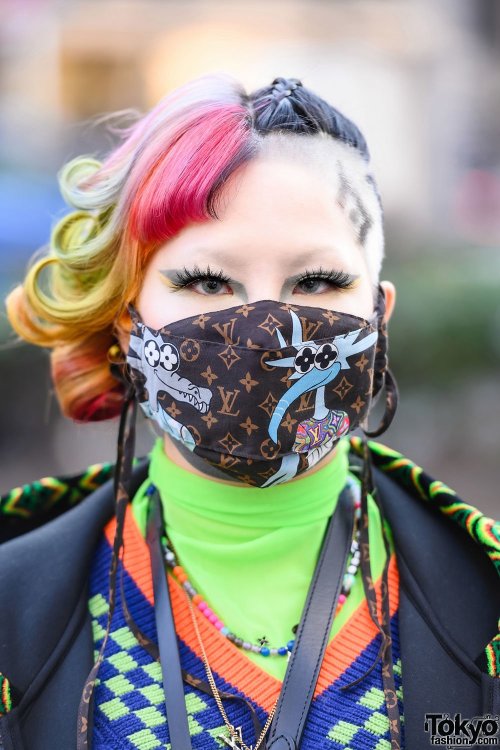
314	629
310	643
175	703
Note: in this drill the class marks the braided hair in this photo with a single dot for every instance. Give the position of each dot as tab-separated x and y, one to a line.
288	105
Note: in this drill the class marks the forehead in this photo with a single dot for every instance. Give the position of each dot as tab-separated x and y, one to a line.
272	209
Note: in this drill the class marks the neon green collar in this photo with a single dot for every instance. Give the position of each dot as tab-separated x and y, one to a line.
206	509
251	552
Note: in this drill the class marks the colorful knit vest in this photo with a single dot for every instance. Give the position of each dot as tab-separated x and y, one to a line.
129	708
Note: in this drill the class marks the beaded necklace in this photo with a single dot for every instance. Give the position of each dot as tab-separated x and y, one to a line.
262	646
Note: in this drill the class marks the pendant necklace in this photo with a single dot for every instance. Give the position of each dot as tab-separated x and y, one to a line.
235	739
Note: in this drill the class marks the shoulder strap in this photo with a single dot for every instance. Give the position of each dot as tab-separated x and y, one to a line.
310	643
315	625
175	704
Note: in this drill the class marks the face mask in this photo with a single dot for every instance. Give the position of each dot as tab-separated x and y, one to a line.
261	391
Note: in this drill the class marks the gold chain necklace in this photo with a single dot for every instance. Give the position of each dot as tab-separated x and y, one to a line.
234	740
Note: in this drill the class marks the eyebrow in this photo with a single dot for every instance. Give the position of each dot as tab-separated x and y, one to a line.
228	257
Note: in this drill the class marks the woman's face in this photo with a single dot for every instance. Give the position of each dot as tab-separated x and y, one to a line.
281	236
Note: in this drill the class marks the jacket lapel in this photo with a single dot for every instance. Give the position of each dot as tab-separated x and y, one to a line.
45	628
445	577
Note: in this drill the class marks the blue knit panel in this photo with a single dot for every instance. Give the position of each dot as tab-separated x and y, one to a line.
356	719
129	709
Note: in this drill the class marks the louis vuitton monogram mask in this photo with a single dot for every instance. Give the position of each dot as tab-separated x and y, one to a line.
261	391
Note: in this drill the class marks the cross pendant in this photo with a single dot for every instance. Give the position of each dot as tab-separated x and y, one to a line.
235	741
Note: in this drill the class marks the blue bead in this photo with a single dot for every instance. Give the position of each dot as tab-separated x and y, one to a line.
282	651
224	631
348	581
265	651
290	645
150	489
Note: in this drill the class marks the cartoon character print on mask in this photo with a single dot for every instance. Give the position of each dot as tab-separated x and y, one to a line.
260	391
315	366
159	362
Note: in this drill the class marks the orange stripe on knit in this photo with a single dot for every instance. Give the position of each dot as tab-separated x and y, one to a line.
227	659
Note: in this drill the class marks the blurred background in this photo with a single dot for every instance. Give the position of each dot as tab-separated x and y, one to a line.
422	80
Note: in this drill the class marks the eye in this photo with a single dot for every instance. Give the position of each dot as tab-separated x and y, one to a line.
325	356
202	281
319	281
210	286
169	357
152	353
313	285
304	360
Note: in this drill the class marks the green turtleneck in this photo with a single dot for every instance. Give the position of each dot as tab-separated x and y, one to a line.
251	552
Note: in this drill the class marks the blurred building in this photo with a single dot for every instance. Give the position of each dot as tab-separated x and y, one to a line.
406	72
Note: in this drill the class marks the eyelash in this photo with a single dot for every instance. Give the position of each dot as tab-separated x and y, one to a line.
186	277
339	278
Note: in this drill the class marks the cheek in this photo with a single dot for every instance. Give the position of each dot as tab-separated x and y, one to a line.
152	300
159	305
356	301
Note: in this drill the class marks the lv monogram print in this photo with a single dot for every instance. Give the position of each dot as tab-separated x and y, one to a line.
262	391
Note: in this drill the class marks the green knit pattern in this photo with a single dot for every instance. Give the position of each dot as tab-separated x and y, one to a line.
485	531
136	680
59	493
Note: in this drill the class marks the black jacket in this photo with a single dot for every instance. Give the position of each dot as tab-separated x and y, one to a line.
449	609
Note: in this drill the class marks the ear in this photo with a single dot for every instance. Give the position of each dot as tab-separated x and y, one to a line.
390	298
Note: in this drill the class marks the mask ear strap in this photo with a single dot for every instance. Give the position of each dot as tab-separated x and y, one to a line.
391	404
122	474
379	613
